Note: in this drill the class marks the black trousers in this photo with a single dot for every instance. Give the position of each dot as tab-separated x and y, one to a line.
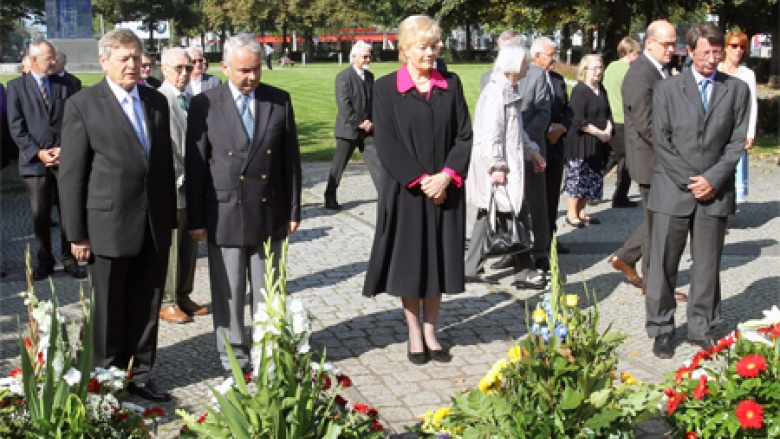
638	245
344	150
554	178
42	192
617	158
128	292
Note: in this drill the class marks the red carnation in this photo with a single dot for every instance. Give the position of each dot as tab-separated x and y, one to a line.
16	372
751	366
94	386
340	401
156	411
122	416
691	435
675	401
326	383
202	418
344	381
368	410
750	414
377	426
701	389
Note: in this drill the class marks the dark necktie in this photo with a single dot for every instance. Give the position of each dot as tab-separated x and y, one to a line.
705	100
44	93
246	117
183	102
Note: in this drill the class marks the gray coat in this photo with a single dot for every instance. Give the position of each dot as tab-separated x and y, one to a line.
178	137
637	91
354	98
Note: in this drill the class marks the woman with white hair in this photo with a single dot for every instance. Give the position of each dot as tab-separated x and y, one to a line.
499	153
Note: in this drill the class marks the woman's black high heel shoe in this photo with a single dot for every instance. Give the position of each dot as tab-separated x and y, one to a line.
442	355
418	358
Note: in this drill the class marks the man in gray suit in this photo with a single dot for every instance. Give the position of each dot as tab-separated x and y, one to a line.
243	187
354	128
637	92
200	81
177	306
700	123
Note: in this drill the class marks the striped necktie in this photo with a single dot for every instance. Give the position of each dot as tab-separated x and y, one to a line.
246	116
44	93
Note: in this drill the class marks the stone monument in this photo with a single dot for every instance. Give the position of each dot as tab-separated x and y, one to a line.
69	29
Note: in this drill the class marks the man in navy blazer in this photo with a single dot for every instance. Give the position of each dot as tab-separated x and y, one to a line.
118	201
36	103
354	127
200	81
243	187
700	120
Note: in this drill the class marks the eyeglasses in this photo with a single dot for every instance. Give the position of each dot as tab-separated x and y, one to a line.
715	54
188	68
666	44
198	61
737	46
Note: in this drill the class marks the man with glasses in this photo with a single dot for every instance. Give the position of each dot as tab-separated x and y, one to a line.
200	81
148	62
700	125
36	104
354	127
637	91
177	307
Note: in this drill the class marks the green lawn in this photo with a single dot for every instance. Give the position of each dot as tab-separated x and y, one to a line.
312	91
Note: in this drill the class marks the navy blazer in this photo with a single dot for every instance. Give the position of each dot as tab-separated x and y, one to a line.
32	124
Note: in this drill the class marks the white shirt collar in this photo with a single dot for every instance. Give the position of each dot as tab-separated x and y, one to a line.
122	94
657	65
172	88
237	94
698	77
361	73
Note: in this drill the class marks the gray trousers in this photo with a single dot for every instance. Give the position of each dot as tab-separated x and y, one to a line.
344	150
669	235
180	278
535	195
229	268
639	242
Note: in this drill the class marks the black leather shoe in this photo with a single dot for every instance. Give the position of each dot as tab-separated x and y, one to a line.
148	392
439	355
537	282
42	273
417	358
542	263
620	203
332	204
662	346
504	262
74	270
563	250
703	344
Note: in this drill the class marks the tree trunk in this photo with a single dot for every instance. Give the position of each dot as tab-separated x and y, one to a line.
284	35
618	27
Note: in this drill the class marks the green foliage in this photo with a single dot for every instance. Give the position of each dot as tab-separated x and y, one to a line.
558	382
769	116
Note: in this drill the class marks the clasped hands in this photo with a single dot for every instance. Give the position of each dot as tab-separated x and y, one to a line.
604	135
701	188
435	186
50	157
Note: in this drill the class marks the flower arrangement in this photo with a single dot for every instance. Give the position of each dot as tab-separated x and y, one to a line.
287	395
54	393
731	390
560	381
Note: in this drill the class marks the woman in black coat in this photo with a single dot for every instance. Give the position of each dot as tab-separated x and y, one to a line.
423	139
586	145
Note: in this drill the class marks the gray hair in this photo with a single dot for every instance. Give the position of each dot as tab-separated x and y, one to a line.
241	40
34	49
507	36
540	44
117	38
193	50
173	52
358	47
512	58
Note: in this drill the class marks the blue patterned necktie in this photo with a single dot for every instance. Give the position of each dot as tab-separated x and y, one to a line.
138	126
246	117
704	98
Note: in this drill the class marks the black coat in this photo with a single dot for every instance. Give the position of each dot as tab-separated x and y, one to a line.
587	108
559	113
354	100
418	246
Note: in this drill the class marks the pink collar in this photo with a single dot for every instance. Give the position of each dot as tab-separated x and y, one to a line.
404	81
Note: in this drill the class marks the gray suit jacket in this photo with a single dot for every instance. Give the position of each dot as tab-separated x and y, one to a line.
354	98
535	106
242	192
689	142
637	91
178	139
207	82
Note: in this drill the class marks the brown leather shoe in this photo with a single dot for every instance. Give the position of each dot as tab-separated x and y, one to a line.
173	314
678	296
193	308
627	270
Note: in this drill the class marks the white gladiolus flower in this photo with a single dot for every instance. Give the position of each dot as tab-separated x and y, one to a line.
58	364
296	306
303	346
72	376
300	324
13	384
225	386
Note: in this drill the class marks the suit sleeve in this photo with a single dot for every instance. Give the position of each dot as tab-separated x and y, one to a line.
292	163
637	102
75	169
17	125
344	101
196	162
460	154
667	155
722	171
541	117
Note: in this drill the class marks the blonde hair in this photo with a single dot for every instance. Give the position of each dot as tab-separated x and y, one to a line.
415	28
628	45
585	63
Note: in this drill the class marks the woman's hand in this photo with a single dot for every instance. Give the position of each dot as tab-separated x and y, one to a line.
749	143
539	163
434	186
498	177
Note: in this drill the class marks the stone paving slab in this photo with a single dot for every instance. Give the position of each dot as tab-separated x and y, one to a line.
366	338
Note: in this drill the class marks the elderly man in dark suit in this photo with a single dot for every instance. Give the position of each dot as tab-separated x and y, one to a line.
700	122
59	70
36	103
119	206
637	91
243	185
200	81
560	121
354	129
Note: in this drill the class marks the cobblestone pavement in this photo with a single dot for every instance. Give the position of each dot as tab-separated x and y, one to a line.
366	337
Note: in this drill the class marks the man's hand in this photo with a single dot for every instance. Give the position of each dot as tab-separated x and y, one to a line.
555	132
292	227
749	143
539	163
366	126
199	234
81	250
701	188
49	157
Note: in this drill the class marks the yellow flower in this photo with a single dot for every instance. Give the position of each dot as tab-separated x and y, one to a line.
627	378
539	316
517	353
440	414
571	300
493	377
